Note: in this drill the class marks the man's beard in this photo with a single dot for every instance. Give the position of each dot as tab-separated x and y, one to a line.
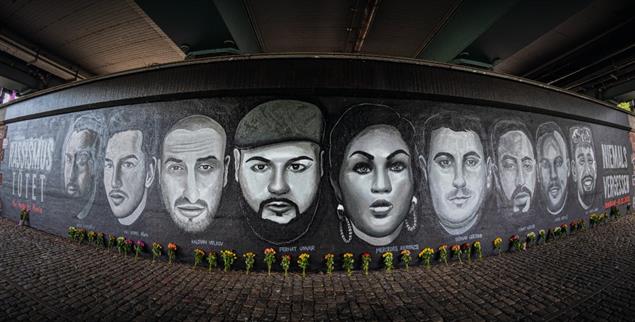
558	203
587	196
279	234
194	224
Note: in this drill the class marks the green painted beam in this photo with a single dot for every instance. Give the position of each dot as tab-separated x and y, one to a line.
470	20
239	25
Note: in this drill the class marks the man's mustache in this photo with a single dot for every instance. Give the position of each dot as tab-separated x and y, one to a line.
519	190
459	193
554	184
265	202
182	201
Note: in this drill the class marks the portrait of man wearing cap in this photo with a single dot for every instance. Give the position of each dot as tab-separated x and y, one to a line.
193	171
278	166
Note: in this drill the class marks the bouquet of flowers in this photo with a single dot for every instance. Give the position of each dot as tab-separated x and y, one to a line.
366	258
112	240
456	252
24	217
211	260
270	258
72	231
443	253
514	241
127	247
171	252
557	232
478	249
303	262
250	259
156	250
139	246
564	229
426	256
405	257
121	241
348	263
531	237
81	235
466	248
228	258
285	263
543	236
329	259
99	241
387	257
498	243
198	256
594	219
91	237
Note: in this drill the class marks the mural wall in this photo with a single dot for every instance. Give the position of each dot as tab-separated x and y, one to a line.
311	174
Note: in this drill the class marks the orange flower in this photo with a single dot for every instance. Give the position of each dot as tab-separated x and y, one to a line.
172	246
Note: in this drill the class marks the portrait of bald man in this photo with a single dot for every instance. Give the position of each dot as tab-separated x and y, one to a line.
553	166
193	171
278	163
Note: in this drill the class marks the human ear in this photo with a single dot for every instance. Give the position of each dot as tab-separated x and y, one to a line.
236	163
489	173
574	171
152	166
423	166
226	169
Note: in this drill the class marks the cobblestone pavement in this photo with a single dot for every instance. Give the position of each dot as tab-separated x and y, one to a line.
589	275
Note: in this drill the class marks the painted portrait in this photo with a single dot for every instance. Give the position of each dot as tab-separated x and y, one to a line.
278	166
553	166
129	163
372	174
583	165
193	171
457	169
514	166
82	156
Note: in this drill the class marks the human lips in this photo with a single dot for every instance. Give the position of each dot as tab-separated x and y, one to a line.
117	197
380	208
587	183
459	199
554	190
190	210
72	189
279	206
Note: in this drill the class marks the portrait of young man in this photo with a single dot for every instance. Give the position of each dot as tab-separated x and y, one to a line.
193	171
456	169
129	163
583	165
278	166
81	155
515	166
553	166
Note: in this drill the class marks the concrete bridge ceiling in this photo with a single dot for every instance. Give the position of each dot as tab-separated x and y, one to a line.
581	45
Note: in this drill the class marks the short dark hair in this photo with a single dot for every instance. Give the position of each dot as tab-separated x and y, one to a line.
453	121
547	129
357	118
129	119
503	126
580	135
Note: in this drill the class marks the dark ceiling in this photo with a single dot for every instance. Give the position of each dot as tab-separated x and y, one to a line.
586	46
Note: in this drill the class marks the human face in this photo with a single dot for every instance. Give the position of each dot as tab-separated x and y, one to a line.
79	165
376	180
125	172
585	172
457	176
192	176
554	170
516	169
279	181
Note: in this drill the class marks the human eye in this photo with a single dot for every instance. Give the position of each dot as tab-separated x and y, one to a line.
205	167
590	159
108	164
176	168
260	167
528	165
444	162
509	164
297	167
558	162
472	162
128	164
362	168
397	166
82	158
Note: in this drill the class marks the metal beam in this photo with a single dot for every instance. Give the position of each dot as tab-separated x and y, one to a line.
470	20
619	89
239	24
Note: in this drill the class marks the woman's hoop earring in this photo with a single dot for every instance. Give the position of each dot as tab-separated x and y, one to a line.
343	219
413	212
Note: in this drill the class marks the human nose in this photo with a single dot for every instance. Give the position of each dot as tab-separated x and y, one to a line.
552	173
278	185
74	172
116	179
381	182
459	179
520	178
191	191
